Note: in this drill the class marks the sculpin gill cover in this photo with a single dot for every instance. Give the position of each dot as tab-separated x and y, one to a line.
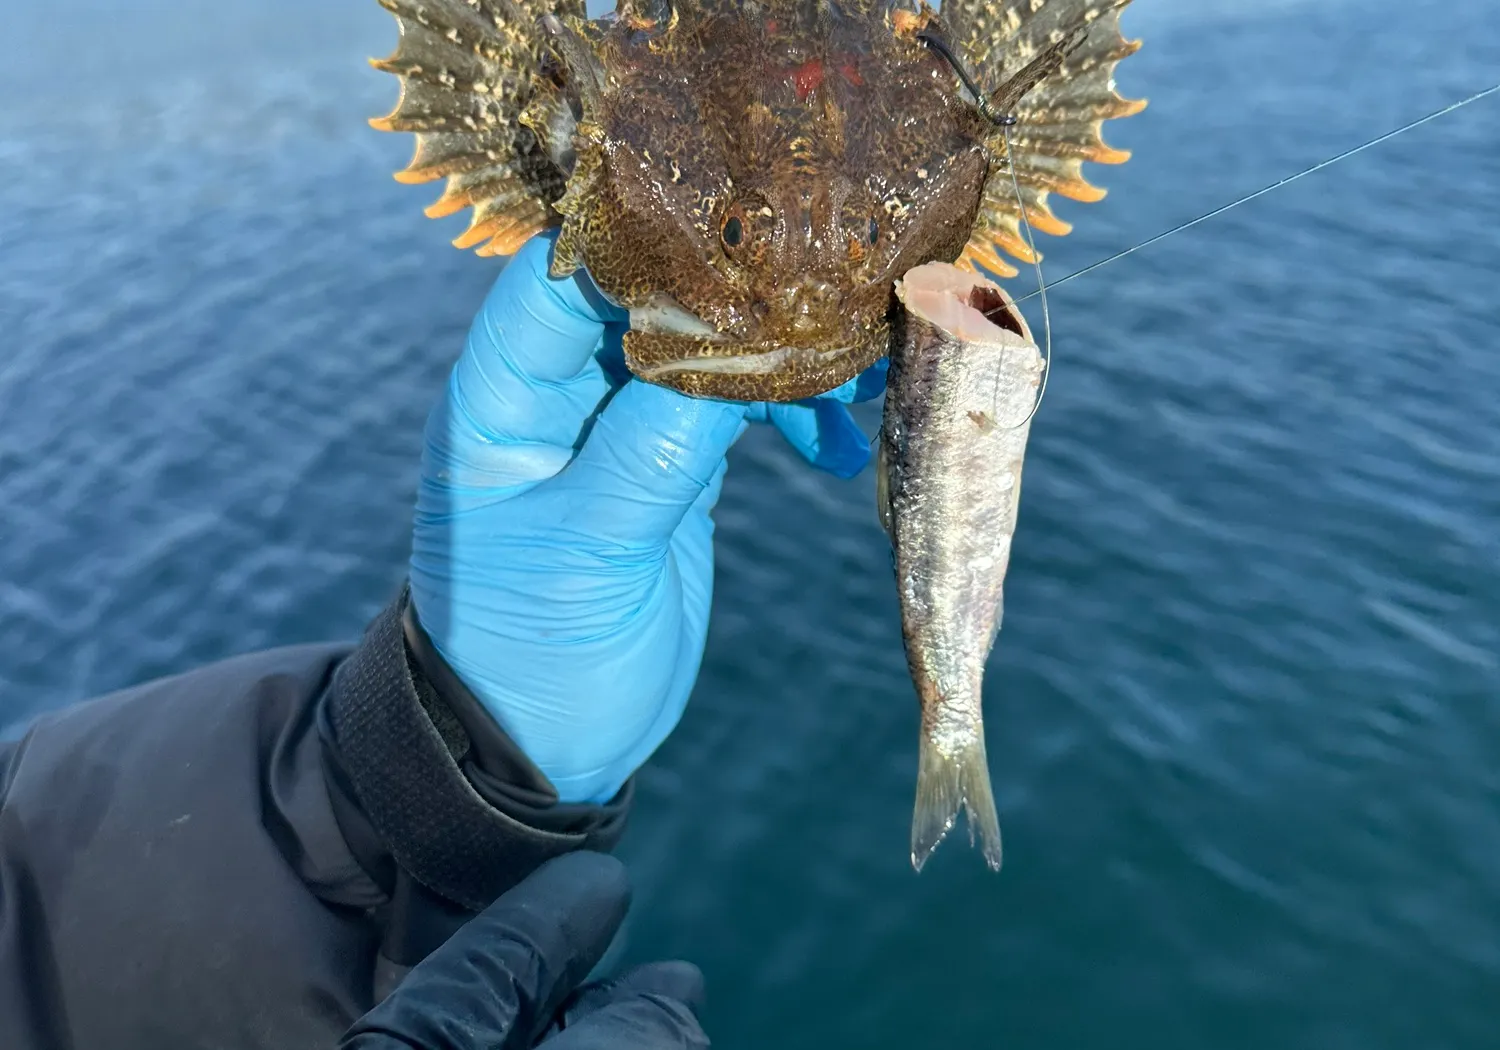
963	379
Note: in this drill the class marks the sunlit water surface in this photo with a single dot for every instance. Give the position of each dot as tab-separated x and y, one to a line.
1244	717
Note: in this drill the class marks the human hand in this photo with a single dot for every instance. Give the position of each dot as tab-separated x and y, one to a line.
512	975
562	557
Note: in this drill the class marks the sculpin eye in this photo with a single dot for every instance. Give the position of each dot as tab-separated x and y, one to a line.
859	227
746	230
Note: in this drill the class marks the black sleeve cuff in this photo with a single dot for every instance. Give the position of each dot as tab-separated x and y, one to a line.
445	794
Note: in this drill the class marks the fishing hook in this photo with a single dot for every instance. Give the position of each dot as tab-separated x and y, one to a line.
938	44
1006	121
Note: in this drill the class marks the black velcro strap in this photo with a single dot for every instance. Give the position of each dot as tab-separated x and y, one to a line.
467	846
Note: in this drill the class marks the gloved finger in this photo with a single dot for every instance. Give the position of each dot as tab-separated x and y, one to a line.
527	376
643	1021
676	979
649	456
864	387
824	433
500	979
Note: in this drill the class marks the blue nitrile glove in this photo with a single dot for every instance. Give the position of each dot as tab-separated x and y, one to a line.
562	560
513	975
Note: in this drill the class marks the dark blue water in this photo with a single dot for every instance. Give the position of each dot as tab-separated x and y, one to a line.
1244	716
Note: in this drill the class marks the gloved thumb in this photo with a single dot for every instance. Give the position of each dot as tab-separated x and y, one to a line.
648	457
499	980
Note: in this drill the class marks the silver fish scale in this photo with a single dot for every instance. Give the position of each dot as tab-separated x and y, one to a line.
954	467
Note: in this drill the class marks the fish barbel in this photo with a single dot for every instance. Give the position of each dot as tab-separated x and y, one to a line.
962	382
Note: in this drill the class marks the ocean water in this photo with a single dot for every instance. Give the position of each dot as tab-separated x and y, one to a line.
1244	715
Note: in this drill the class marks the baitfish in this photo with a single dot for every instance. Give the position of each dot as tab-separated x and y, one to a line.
963	380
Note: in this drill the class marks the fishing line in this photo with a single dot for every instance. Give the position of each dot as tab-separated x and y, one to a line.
1006	121
1041	285
940	45
1264	190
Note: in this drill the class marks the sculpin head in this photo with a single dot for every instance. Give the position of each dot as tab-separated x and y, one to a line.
748	179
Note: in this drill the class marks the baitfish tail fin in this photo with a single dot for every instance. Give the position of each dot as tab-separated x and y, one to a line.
478	91
951	776
1060	120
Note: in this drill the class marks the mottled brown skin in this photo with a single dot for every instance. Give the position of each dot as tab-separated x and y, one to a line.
750	176
771	170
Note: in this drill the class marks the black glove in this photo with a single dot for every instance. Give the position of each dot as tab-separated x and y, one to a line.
511	976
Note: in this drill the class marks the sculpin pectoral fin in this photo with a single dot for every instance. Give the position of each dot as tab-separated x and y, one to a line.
953	775
469	70
1060	120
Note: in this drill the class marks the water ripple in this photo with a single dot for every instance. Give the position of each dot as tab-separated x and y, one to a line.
1243	718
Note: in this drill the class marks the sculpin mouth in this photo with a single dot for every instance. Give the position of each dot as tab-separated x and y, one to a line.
760	370
673	347
763	362
663	316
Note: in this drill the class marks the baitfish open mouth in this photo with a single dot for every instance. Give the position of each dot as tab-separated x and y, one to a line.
966	306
